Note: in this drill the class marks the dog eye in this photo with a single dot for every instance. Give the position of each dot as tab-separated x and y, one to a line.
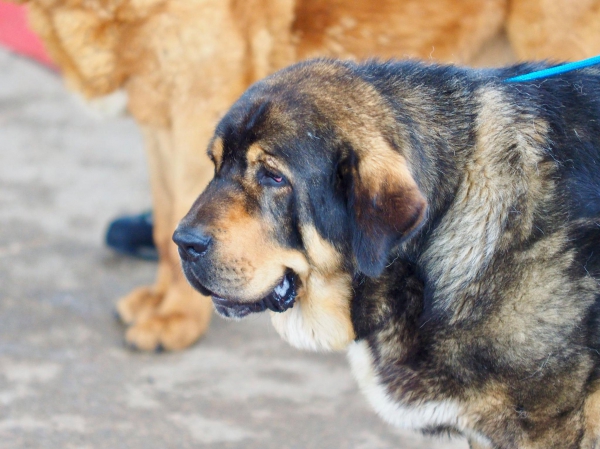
268	178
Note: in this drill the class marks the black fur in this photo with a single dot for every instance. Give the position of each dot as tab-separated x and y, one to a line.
514	337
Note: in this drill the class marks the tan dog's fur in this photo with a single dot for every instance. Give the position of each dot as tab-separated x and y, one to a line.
183	62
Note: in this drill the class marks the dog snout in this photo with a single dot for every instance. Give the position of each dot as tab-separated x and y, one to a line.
192	243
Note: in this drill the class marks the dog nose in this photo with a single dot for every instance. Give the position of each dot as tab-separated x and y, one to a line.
193	243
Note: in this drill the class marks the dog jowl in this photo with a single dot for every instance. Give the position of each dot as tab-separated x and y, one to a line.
440	224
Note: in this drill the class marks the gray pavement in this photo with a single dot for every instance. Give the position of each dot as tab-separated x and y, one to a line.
66	379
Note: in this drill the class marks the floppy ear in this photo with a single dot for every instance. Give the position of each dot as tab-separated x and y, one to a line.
385	203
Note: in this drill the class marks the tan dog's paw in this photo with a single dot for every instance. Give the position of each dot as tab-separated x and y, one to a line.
138	305
171	332
170	321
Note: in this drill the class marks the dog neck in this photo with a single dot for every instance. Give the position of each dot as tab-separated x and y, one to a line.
489	155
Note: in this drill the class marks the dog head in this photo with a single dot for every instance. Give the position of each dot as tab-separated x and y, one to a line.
312	185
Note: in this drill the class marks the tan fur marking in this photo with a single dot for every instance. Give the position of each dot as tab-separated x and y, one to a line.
320	319
271	163
216	151
254	154
321	254
379	164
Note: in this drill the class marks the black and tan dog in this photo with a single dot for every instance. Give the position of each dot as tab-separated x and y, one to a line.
440	223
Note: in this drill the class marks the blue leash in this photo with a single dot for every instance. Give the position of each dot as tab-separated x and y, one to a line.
555	70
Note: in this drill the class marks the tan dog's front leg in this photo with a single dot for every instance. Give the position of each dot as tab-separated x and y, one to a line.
169	314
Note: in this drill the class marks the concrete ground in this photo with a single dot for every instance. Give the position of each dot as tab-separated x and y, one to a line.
66	379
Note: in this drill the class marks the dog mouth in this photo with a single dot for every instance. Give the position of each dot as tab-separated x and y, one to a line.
280	299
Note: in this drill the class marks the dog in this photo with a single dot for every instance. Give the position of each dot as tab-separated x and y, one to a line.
178	66
438	223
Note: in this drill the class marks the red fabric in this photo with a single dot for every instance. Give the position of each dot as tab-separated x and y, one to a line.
16	35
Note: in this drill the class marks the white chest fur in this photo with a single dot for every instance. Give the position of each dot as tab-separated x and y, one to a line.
426	414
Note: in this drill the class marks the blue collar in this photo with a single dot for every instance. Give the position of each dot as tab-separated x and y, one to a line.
555	70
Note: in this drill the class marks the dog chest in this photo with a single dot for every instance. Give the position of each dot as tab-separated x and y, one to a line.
429	414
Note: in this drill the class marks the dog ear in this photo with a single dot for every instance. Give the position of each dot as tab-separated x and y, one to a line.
384	202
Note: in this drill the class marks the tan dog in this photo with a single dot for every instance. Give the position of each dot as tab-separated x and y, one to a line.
182	63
